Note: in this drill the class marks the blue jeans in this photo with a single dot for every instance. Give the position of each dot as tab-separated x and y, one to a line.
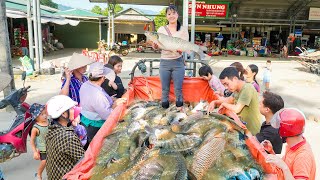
172	69
25	51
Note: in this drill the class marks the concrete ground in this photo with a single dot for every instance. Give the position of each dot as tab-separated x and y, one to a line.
293	82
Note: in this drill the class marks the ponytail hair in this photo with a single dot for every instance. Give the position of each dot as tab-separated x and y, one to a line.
178	25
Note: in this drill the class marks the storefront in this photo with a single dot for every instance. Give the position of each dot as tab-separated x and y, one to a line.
16	12
129	26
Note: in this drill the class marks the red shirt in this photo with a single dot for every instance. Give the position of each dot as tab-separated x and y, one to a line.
300	161
24	43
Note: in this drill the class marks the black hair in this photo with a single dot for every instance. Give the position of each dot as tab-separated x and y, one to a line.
205	71
113	60
240	69
229	72
172	7
268	61
254	69
272	101
94	78
108	66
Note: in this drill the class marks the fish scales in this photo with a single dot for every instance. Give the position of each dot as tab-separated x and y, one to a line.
206	156
180	143
150	171
173	43
182	173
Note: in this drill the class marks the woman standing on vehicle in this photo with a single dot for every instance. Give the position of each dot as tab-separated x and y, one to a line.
172	64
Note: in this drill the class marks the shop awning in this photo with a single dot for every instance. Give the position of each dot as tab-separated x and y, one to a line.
15	14
44	19
60	21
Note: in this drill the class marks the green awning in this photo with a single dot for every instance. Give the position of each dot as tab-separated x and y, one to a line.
22	6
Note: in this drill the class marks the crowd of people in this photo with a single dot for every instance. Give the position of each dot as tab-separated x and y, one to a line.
85	102
66	125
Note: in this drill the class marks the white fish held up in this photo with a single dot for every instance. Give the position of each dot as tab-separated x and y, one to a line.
169	43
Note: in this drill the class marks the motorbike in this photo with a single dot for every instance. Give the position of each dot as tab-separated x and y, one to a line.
13	141
119	49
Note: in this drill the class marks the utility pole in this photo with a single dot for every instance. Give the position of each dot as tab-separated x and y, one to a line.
5	55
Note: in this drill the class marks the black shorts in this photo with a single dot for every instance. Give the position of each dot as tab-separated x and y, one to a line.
43	155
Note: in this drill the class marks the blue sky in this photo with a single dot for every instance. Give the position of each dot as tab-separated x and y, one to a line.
85	4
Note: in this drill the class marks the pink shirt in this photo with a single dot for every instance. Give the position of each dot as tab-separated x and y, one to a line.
182	33
216	84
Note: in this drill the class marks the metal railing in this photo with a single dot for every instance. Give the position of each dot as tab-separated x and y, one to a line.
143	67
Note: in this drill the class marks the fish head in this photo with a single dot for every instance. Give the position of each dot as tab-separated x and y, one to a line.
152	35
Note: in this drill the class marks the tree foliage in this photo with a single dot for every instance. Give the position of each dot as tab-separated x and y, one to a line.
160	19
49	3
98	10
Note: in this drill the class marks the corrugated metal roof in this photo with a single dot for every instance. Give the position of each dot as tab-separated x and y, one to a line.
79	13
133	15
21	5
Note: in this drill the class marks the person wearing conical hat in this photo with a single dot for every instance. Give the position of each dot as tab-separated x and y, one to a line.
74	76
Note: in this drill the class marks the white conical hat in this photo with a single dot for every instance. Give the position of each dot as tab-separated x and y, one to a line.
5	80
78	61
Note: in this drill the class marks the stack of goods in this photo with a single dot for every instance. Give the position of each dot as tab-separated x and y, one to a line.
17	37
156	143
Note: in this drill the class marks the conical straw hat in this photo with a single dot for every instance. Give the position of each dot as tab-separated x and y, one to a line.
78	61
5	80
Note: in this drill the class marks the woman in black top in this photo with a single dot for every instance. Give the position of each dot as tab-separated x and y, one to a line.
115	88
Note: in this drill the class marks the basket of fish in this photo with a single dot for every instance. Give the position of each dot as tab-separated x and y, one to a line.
141	140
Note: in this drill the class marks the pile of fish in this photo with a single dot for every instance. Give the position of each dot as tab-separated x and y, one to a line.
155	143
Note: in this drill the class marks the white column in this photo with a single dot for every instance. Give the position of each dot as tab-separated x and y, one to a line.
39	33
185	18
35	27
112	25
185	13
193	23
30	32
108	38
100	29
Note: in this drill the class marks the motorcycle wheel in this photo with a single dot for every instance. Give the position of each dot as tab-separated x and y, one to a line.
125	52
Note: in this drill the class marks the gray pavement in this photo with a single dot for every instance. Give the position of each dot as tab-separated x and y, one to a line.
293	82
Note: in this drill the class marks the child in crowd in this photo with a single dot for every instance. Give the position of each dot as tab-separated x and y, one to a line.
251	73
79	129
267	75
206	73
38	134
115	88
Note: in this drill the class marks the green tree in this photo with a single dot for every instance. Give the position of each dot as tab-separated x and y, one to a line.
96	9
49	3
160	19
117	8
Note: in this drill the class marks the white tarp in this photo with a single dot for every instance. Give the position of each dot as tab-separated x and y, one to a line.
60	21
15	14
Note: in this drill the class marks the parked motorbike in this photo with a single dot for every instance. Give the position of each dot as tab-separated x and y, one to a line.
119	49
13	141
